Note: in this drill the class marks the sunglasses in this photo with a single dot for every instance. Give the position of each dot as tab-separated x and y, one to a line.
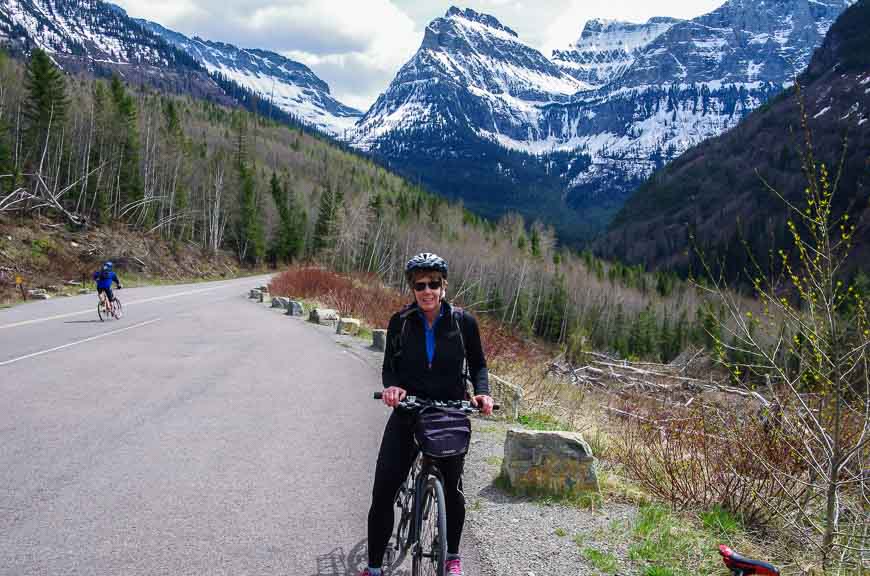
433	285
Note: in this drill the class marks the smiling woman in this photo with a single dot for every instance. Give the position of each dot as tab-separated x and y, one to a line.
429	342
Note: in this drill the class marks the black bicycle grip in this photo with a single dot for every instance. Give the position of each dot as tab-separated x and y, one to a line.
379	395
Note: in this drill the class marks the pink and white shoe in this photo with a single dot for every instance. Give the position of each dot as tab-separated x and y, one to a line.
454	567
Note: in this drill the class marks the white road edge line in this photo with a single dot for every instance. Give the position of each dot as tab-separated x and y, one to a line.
91	310
56	348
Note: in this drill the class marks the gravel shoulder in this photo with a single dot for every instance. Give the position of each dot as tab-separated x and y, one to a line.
532	537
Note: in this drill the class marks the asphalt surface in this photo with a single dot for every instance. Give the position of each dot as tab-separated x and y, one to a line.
200	434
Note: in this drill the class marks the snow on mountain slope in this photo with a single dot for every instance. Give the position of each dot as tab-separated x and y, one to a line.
93	34
291	86
622	102
606	48
469	69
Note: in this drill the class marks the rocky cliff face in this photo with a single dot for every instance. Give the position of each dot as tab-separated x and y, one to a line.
607	48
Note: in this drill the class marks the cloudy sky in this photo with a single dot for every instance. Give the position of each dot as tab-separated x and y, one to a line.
357	46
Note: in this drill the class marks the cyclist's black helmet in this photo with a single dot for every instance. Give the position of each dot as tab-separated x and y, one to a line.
426	261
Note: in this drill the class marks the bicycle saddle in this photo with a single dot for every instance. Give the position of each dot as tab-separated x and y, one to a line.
742	566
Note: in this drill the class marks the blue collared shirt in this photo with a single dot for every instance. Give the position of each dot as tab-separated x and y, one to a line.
430	334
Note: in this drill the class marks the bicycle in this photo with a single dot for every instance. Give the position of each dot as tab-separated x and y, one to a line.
743	566
422	525
106	308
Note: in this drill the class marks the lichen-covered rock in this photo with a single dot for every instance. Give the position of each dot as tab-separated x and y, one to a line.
295	308
280	302
547	462
348	326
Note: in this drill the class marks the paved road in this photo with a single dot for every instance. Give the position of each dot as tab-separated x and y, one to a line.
200	434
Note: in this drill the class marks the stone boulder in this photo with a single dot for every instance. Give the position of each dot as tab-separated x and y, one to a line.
255	293
324	316
347	326
280	302
379	339
551	463
295	308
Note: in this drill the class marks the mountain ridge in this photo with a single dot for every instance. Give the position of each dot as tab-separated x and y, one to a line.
716	191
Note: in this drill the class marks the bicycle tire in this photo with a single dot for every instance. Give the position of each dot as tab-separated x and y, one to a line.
398	549
117	309
430	554
102	312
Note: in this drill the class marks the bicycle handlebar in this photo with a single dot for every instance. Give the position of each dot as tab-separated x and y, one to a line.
414	402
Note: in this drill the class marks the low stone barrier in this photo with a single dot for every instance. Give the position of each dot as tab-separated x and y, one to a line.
508	395
280	302
38	294
323	316
348	326
255	293
263	297
545	462
295	308
379	340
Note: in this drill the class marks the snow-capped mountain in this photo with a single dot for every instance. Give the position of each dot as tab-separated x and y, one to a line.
99	36
607	48
469	69
569	139
291	86
88	29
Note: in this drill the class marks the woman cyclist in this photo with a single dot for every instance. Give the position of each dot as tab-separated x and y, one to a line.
424	357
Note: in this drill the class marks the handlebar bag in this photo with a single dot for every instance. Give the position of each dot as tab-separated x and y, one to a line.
442	432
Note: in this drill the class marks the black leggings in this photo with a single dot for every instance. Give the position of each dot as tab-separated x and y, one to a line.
394	462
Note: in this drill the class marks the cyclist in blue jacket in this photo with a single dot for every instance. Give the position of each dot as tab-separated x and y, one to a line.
104	279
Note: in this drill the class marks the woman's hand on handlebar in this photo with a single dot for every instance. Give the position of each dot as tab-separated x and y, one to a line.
393	395
483	403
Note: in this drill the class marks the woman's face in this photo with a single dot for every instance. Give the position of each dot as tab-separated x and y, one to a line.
429	298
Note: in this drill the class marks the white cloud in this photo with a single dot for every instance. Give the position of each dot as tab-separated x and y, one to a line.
357	46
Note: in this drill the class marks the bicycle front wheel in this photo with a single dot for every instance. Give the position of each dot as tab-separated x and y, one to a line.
102	311
430	555
117	309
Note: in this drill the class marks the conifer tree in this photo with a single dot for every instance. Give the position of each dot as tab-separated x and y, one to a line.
46	105
250	240
130	180
289	237
328	221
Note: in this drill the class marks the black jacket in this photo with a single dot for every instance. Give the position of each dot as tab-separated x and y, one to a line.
409	369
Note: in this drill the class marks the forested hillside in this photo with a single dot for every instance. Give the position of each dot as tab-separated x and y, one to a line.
93	153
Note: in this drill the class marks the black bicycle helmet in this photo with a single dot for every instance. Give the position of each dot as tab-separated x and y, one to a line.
426	261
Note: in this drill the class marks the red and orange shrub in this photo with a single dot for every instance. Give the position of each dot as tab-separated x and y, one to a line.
363	296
